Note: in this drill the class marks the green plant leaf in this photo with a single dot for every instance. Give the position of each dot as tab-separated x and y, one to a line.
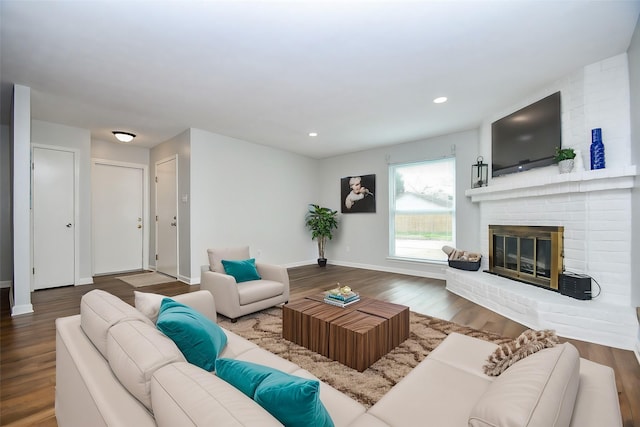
321	222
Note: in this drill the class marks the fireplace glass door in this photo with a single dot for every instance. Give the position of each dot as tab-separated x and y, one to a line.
527	253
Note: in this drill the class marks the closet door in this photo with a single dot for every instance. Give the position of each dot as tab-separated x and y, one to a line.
53	197
167	217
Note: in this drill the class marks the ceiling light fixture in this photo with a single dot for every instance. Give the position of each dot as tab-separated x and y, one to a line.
440	100
124	136
313	133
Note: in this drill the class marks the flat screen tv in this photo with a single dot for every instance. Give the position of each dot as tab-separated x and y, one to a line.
528	138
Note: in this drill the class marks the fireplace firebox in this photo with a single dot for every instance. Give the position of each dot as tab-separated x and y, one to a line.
530	254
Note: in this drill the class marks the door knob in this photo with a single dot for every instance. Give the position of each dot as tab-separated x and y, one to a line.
69	225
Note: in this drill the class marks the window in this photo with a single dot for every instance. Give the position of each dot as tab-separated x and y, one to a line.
422	209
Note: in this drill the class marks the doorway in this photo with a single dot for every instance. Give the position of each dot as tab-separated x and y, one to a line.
167	216
54	189
119	216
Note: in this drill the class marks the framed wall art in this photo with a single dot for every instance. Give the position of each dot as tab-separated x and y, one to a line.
358	193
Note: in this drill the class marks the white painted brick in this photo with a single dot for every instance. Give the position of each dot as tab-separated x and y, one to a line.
578	230
619	195
619	248
574	266
603	234
597	238
610	215
603	321
610	258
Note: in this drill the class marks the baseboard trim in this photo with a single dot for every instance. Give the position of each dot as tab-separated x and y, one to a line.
17	310
298	264
5	283
637	351
85	281
188	280
440	274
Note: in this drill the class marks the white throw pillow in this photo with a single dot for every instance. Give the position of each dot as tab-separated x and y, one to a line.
538	391
148	304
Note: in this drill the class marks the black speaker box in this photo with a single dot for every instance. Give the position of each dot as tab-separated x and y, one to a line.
575	285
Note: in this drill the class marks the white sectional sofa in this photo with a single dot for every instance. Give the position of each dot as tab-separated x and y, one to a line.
114	368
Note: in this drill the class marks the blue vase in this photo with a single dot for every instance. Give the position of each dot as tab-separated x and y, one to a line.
597	149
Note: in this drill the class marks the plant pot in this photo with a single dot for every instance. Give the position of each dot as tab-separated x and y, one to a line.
565	166
322	262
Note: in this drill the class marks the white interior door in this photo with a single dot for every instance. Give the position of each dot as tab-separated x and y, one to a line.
53	218
118	218
167	217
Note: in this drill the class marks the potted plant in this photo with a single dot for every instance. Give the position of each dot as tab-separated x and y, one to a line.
564	158
321	221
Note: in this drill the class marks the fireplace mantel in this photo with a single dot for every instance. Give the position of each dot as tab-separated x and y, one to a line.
543	184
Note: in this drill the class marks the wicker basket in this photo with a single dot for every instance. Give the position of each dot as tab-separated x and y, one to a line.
465	265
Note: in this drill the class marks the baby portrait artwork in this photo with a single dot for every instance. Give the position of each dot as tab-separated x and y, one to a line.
358	193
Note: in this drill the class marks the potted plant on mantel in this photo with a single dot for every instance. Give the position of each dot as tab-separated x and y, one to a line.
321	221
564	158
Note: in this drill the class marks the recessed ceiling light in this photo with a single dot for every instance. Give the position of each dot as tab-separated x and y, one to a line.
124	136
313	133
440	100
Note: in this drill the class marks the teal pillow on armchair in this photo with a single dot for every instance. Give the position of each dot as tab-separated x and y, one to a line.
243	270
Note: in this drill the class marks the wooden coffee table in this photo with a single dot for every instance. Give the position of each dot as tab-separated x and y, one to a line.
357	335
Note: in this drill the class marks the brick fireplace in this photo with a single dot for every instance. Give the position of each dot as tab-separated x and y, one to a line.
593	210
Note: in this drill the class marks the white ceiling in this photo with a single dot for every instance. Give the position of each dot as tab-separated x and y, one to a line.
360	73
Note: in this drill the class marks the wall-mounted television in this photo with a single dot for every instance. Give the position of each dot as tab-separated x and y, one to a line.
528	138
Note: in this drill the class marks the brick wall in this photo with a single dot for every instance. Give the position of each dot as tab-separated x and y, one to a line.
597	237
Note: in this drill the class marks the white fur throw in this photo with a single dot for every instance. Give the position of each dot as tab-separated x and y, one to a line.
526	344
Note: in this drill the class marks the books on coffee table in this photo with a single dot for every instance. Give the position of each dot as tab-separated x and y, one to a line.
338	303
341	296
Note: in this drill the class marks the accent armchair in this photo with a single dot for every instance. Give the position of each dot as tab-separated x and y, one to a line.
235	299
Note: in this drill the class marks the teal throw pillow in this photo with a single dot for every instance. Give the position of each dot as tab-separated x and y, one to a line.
245	376
292	400
243	270
199	339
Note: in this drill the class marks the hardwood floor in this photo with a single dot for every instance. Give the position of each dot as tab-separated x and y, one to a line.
27	342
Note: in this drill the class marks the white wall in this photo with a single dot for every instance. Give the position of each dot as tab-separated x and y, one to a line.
362	239
179	145
119	152
6	251
45	133
21	150
249	194
634	82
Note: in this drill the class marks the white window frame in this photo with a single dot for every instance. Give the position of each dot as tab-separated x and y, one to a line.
392	208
